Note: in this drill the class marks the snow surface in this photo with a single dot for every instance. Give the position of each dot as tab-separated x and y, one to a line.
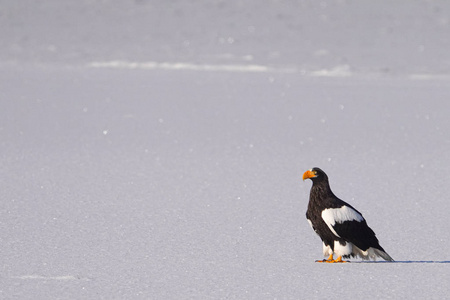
155	150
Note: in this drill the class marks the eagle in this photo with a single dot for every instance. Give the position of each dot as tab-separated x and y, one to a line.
342	228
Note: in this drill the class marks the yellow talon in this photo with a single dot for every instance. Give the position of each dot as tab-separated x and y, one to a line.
331	260
339	260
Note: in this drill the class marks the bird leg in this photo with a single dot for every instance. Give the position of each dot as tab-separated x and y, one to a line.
339	260
329	260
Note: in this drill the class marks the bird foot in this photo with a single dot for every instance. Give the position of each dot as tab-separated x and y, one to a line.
323	261
331	260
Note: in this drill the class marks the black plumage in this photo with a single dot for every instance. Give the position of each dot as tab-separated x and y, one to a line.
342	228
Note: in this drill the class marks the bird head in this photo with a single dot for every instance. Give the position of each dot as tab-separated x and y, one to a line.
315	174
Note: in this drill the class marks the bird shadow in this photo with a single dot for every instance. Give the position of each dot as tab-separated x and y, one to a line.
404	262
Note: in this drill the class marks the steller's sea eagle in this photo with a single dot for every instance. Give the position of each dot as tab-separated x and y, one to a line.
342	228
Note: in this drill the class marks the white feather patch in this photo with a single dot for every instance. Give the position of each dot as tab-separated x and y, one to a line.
331	216
326	250
342	250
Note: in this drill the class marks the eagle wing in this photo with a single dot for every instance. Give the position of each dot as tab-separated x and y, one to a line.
348	224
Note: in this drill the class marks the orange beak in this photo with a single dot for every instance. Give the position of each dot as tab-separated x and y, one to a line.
308	174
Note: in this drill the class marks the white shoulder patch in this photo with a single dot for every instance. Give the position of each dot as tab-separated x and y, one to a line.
331	216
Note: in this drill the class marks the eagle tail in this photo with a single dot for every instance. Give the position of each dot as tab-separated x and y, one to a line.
382	254
371	253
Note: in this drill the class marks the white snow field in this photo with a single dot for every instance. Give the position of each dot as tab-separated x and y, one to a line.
155	150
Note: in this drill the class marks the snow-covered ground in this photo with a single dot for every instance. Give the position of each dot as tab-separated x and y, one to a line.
153	150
